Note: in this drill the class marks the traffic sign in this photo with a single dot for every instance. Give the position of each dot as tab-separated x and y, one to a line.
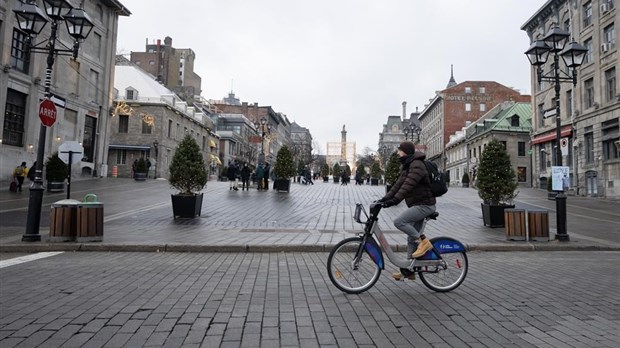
70	147
47	112
564	146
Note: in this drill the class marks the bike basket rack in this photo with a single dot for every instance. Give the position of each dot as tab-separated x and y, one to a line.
359	208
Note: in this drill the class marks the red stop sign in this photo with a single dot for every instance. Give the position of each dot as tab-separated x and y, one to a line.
47	112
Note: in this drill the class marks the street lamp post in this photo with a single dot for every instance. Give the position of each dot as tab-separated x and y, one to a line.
263	128
32	20
412	129
572	55
156	149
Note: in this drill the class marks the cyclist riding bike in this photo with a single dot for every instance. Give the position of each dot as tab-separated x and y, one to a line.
413	186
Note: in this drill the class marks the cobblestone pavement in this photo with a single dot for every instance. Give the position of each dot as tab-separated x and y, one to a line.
124	299
138	216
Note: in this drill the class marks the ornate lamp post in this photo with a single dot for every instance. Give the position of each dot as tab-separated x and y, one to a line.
31	20
156	149
263	128
385	152
412	129
573	56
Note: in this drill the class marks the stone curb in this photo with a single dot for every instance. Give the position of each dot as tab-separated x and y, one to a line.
31	248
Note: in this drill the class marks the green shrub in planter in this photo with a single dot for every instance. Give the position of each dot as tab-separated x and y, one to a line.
55	169
465	180
392	169
284	169
188	173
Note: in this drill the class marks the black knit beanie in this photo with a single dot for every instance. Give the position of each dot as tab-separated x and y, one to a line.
407	147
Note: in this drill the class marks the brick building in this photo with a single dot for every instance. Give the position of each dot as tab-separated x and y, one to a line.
452	107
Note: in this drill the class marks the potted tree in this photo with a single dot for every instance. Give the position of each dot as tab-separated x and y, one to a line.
188	175
284	169
141	170
392	171
375	173
336	173
325	172
465	180
56	172
496	184
360	173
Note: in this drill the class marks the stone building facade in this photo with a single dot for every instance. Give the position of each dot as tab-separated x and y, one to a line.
590	109
82	89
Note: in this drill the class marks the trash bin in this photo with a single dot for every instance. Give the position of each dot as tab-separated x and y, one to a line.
89	220
514	224
538	225
63	221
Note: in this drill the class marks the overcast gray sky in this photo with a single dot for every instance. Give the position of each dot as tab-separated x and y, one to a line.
325	63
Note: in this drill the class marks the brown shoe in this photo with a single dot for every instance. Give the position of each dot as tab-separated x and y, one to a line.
424	246
400	276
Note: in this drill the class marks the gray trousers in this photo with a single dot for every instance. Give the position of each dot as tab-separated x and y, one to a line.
410	222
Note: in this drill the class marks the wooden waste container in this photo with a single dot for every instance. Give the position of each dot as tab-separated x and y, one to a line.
63	221
89	220
538	224
514	224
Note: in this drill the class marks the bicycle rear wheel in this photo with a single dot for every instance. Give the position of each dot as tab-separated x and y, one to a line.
442	279
349	273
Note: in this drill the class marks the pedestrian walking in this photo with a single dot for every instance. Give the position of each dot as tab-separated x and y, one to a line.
232	176
245	177
260	173
32	171
266	176
19	173
344	178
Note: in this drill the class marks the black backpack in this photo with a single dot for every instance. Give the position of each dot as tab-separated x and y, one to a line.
438	184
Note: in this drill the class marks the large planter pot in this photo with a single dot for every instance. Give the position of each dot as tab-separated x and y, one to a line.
139	176
493	215
186	206
326	179
374	181
336	179
55	186
282	185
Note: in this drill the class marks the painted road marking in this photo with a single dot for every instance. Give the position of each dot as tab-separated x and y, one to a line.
28	258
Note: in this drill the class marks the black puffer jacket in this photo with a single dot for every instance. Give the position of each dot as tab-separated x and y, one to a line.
413	184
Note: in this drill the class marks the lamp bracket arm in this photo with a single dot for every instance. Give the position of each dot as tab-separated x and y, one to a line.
564	76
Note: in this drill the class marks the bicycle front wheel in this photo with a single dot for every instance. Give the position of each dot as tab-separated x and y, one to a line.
447	276
350	268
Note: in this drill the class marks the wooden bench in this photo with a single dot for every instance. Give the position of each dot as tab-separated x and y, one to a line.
538	224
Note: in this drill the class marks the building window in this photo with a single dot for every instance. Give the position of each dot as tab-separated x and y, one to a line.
98	45
589	45
94	85
569	102
90	129
468	90
610	84
482	90
610	134
123	124
147	127
483	107
521	174
541	115
588	143
121	156
521	148
169	128
178	132
467	106
588	87
609	36
20	61
543	159
151	62
15	113
587	13
129	93
514	121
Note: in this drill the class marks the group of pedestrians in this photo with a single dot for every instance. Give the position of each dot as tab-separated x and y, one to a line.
261	176
20	173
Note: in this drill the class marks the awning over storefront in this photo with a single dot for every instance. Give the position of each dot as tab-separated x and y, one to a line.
550	136
128	147
212	143
216	160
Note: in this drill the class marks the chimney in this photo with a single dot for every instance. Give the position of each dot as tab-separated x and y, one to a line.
404	110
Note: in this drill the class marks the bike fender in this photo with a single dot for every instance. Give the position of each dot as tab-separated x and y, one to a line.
374	251
444	245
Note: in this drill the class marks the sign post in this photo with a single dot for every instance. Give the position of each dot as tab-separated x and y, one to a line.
68	152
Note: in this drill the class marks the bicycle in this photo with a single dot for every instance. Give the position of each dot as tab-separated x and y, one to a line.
355	264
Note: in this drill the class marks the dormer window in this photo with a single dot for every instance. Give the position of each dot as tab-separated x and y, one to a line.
131	94
514	121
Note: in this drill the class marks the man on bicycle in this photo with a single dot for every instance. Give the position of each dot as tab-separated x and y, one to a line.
413	185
